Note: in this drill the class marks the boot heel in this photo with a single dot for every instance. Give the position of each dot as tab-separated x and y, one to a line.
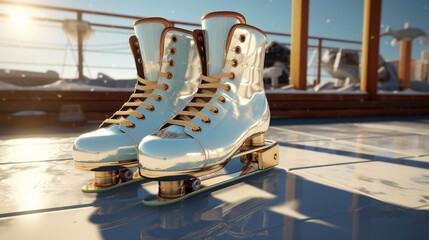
266	157
256	140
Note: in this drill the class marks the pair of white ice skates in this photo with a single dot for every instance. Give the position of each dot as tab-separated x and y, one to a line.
198	104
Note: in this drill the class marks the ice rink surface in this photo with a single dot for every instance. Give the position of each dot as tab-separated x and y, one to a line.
361	178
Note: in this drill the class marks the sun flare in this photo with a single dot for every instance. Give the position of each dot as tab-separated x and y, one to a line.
19	16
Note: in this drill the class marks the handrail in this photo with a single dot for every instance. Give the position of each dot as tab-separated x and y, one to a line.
35	5
80	12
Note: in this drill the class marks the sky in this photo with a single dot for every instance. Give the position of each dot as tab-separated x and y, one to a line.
42	46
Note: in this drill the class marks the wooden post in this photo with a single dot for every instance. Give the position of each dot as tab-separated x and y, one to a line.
80	48
405	64
370	47
299	46
319	60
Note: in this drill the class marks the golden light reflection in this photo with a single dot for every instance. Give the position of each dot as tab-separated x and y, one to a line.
33	149
19	16
29	181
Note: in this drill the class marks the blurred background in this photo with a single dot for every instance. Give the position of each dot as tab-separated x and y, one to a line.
53	49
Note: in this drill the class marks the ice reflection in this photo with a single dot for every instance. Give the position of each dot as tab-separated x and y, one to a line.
34	149
24	188
271	205
238	211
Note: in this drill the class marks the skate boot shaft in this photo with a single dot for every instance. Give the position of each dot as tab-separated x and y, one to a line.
149	32
208	133
168	77
219	24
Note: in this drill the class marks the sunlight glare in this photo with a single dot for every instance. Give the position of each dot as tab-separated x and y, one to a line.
19	16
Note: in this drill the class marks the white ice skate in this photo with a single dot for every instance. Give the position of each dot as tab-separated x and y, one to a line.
221	131
169	69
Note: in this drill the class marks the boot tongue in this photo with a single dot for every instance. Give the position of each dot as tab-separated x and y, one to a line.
148	32
216	33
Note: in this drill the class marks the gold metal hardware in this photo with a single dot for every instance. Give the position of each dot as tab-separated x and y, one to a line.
231	76
237	49
242	38
105	179
227	88
171	63
93	166
269	157
171	189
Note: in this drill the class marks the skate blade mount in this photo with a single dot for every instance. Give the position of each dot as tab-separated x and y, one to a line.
109	180
242	165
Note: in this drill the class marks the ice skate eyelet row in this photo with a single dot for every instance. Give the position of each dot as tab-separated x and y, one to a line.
215	111
173	38
234	63
222	100
165	85
242	38
197	130
171	63
173	51
143	91
231	76
167	75
237	49
227	88
194	108
206	121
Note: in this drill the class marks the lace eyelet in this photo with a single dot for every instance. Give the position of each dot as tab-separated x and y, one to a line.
228	88
242	38
169	75
173	51
165	86
138	50
237	49
200	38
214	112
136	43
141	118
159	98
131	126
234	63
171	63
206	121
139	60
198	130
151	109
222	100
231	76
174	38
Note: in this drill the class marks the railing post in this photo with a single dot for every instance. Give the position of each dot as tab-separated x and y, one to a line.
298	65
80	47
405	64
370	47
319	60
